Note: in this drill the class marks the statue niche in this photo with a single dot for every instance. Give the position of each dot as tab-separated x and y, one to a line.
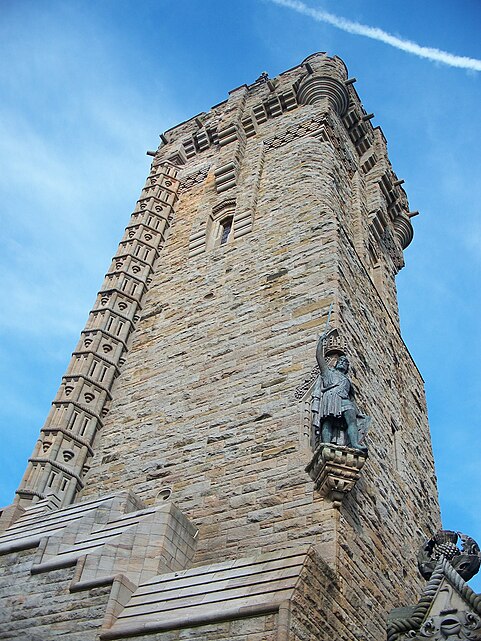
335	416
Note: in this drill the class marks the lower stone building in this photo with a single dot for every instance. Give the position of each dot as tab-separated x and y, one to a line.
210	467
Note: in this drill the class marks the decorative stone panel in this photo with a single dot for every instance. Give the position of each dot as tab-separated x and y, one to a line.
447	609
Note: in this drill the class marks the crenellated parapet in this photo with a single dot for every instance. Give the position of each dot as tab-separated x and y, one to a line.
214	144
61	456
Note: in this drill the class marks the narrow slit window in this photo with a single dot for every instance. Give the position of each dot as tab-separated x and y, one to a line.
119	327
64	485
396	444
102	375
84	426
75	416
225	229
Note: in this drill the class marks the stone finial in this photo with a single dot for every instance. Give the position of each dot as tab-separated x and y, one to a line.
264	77
443	545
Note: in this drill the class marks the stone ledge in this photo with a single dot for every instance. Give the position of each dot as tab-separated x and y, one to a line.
105	538
231	590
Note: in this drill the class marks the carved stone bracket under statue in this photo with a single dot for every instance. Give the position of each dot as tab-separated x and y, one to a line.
335	470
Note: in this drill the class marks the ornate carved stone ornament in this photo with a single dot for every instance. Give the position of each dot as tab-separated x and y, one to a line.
335	470
448	608
454	625
443	545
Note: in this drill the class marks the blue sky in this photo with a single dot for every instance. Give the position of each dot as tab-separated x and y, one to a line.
85	90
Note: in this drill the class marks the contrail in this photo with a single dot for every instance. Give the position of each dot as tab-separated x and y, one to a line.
378	34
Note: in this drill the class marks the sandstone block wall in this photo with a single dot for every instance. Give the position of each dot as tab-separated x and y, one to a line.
203	411
227	334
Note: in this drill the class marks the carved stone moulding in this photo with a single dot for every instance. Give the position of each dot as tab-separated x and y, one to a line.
314	88
404	230
448	610
335	470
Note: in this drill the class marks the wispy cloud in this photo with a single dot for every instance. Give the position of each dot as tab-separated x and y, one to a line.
374	33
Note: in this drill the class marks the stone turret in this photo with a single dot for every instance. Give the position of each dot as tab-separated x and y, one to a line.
62	455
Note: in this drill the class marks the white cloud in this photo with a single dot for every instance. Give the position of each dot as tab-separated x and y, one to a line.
374	33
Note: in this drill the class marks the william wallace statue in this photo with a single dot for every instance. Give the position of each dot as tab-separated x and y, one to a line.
335	415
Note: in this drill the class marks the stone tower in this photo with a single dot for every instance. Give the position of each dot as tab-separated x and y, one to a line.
167	496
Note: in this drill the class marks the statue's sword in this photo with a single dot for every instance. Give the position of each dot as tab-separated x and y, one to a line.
328	317
302	389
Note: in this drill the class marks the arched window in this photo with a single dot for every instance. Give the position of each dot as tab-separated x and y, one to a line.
225	228
222	226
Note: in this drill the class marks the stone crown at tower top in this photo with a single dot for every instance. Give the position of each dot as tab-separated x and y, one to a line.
318	65
320	84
